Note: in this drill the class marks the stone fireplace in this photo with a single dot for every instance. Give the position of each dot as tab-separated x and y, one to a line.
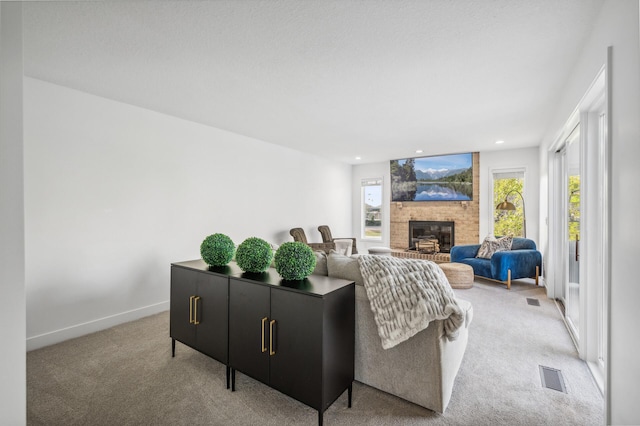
465	215
444	232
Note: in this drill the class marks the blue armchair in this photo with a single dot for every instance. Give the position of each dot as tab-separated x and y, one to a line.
522	261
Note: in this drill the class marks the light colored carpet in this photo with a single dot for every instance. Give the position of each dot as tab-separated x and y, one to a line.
126	376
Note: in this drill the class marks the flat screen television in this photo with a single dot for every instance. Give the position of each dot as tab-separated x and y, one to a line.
435	178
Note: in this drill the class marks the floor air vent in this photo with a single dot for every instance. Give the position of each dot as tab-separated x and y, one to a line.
533	302
552	379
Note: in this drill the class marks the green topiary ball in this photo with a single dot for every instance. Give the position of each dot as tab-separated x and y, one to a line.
295	260
254	255
217	250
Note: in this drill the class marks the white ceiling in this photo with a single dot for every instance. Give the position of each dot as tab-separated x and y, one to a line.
372	78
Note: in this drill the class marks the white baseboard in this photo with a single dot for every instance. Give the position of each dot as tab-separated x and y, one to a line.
78	330
598	375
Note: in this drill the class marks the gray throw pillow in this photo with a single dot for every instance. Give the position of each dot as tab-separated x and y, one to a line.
491	245
345	267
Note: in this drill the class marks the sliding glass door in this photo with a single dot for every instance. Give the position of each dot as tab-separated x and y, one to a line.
579	226
572	204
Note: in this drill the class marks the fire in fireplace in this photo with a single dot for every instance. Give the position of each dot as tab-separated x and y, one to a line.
422	233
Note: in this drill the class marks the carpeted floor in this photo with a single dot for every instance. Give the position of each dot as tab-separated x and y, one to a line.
126	376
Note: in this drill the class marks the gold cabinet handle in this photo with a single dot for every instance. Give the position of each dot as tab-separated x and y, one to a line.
262	330
271	324
191	309
195	310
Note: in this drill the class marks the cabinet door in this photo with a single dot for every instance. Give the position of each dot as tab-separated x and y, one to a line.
183	286
296	367
249	328
211	314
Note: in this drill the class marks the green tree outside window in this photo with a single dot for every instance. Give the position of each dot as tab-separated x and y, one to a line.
574	208
507	222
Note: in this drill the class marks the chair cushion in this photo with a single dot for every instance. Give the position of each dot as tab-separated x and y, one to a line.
344	246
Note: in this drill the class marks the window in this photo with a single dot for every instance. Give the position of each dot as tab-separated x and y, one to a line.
509	186
371	209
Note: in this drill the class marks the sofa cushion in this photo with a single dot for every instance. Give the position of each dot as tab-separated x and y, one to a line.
345	267
491	245
321	263
481	267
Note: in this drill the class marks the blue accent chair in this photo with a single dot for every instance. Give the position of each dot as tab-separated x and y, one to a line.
522	261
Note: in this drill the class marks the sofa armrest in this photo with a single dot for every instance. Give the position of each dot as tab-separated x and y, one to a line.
522	264
463	252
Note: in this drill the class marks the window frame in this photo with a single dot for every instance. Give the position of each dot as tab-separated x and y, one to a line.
363	225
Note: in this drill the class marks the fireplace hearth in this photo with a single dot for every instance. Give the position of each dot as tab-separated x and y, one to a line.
422	231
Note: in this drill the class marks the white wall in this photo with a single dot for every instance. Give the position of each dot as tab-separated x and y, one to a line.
525	158
12	281
617	26
115	193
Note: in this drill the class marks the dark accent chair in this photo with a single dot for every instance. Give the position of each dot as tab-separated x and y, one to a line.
327	238
299	235
522	261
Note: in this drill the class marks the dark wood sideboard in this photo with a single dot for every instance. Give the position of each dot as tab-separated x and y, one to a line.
295	336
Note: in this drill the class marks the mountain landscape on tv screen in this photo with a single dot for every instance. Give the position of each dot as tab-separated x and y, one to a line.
431	174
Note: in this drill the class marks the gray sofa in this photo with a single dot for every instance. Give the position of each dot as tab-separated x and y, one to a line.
422	369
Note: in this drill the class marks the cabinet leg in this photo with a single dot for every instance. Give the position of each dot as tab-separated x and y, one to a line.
233	380
228	368
319	418
173	348
349	392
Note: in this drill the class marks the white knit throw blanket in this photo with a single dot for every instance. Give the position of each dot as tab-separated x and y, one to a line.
406	295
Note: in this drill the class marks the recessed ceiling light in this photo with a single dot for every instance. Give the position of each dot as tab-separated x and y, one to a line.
418	151
358	158
499	142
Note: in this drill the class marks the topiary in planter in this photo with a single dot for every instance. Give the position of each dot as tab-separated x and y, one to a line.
254	255
295	260
217	250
